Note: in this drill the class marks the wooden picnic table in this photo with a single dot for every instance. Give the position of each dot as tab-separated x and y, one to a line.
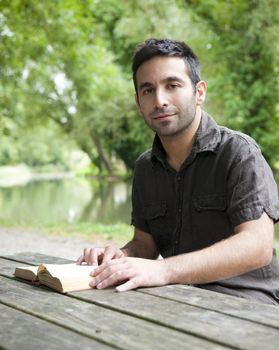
170	317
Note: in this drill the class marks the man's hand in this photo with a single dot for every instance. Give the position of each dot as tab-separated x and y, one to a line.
142	245
134	272
97	256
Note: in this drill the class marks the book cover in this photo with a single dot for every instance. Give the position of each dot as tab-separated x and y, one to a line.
60	277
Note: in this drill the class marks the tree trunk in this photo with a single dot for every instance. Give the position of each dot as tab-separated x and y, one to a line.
101	152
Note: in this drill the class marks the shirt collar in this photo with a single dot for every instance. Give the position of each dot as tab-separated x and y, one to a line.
208	137
158	152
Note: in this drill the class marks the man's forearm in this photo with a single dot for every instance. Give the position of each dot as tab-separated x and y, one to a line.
141	246
234	256
249	248
138	249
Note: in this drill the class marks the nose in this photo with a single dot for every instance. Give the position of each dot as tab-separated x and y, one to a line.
161	99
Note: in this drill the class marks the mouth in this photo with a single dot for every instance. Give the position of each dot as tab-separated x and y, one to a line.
164	116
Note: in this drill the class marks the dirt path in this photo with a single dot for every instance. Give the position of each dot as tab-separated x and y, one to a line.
13	240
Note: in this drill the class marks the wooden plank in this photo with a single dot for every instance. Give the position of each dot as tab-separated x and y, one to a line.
22	331
7	267
226	304
215	326
103	324
265	314
186	318
35	258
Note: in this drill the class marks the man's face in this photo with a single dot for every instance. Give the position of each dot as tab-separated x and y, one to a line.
166	98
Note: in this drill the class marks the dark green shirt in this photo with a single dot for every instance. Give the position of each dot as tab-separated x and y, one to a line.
224	182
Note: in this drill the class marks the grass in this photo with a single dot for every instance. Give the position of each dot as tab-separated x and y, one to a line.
117	234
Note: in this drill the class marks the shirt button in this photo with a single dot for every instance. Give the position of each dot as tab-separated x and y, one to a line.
179	210
178	178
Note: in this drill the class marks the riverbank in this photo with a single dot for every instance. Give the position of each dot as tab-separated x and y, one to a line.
21	175
16	240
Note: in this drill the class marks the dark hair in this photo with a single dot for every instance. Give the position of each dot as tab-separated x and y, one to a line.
166	47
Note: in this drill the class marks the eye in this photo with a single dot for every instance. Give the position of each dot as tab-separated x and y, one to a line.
147	91
172	86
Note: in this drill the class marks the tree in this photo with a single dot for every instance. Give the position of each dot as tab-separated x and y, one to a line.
245	55
45	43
70	62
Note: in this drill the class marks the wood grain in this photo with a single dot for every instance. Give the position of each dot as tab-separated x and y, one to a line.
110	326
218	327
226	304
208	319
22	331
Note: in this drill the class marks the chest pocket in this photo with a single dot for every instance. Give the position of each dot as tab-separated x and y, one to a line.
157	217
212	202
210	220
155	210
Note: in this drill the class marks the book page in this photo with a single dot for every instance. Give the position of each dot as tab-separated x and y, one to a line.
34	269
64	271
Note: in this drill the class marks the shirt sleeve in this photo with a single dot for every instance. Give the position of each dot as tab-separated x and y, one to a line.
251	185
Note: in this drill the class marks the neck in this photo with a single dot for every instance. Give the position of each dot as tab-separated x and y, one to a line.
179	147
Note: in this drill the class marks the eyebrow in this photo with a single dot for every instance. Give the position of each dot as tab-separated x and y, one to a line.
169	79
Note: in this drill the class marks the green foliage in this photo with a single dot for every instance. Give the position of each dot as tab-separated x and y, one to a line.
126	137
41	147
131	22
247	71
69	62
38	147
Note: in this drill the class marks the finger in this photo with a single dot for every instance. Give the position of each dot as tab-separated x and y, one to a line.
86	254
109	254
80	260
94	253
98	270
109	277
131	284
108	266
83	257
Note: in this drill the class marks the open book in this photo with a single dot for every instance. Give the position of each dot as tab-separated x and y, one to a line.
62	278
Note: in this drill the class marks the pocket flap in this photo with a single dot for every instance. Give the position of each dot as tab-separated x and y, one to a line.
210	202
154	210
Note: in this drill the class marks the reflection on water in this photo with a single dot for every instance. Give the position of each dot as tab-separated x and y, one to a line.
66	200
71	200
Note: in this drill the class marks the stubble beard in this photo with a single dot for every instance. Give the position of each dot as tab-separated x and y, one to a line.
183	122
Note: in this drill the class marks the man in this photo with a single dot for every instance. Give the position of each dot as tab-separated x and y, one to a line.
203	197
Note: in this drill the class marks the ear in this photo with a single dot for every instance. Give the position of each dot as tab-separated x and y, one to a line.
200	92
137	103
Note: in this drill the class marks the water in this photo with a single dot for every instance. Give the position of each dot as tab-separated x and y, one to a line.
71	200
